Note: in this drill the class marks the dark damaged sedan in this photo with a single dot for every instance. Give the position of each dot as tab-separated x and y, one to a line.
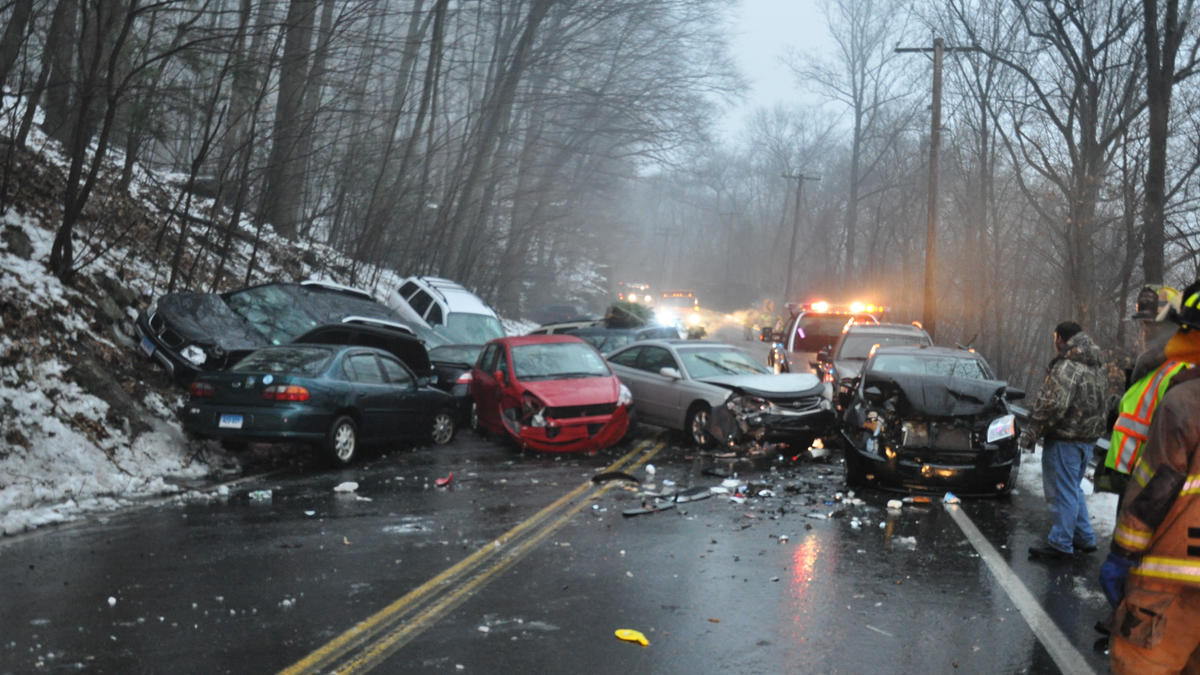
189	333
335	398
717	393
930	419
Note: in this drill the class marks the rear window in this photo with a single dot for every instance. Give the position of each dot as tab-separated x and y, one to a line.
310	361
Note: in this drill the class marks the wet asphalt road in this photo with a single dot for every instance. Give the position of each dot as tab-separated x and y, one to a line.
234	585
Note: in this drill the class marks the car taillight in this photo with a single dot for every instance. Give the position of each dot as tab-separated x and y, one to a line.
201	390
465	378
285	392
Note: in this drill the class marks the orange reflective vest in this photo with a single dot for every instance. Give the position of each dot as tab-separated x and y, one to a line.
1137	409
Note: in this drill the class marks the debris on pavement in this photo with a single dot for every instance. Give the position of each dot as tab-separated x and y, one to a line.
950	498
443	482
348	486
112	602
650	470
629	635
260	495
648	508
895	504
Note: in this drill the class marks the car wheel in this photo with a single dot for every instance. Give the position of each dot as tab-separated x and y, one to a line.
443	427
341	443
698	419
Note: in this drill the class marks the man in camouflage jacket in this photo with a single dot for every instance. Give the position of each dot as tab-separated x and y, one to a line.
1069	415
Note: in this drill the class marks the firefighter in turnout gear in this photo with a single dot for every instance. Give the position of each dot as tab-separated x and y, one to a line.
1152	575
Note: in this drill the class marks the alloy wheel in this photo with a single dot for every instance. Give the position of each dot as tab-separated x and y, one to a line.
700	427
443	428
344	442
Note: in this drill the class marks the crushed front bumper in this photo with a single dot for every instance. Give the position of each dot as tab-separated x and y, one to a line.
986	472
577	434
778	425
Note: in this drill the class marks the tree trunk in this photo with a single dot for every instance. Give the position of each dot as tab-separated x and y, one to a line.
14	37
58	92
1160	79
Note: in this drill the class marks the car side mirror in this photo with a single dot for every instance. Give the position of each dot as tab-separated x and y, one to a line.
1014	394
672	373
422	382
499	375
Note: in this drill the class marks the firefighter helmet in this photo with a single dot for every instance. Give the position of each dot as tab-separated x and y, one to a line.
1188	313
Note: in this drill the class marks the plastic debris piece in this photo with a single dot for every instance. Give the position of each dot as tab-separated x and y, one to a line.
816	516
260	495
922	500
783	538
895	504
737	499
774	578
630	635
650	470
628	513
766	493
346	541
950	498
613	475
668	483
714	621
443	482
310	513
730	483
719	490
693	495
484	629
348	486
882	525
112	602
905	542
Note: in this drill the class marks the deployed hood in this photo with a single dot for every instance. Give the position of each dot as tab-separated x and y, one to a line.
574	392
940	396
767	386
205	319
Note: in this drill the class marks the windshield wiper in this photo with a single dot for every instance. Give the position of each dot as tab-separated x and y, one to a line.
717	364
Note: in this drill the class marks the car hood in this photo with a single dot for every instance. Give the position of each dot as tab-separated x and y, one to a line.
766	386
940	396
574	392
205	319
848	369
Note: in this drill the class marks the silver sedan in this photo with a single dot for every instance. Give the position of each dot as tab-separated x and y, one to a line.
679	384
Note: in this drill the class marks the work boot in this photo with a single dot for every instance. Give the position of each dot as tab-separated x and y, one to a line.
1047	552
1085	548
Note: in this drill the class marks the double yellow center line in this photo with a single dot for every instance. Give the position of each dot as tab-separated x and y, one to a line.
373	640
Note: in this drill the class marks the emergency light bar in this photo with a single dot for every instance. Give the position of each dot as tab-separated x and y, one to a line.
822	307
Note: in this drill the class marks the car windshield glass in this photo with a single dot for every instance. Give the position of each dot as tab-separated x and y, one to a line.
859	346
310	361
456	353
273	312
912	364
614	341
701	363
470	328
331	306
557	361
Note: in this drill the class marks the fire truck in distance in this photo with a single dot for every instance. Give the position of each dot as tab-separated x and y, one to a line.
637	293
812	328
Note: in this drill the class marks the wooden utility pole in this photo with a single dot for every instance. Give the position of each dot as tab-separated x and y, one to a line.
800	178
929	311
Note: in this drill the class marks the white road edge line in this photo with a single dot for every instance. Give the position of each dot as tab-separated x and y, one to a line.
1064	653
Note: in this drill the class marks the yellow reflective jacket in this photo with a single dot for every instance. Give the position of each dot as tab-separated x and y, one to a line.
1137	409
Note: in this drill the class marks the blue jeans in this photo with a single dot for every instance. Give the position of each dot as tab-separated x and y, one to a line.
1063	467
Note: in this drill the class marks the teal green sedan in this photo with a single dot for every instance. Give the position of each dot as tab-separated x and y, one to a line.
335	398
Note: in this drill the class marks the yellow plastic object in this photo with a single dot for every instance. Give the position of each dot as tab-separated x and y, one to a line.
632	636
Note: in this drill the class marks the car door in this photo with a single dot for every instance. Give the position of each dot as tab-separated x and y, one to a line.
661	394
374	396
409	416
484	387
625	366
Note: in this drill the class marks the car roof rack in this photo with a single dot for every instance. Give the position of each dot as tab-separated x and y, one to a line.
329	285
372	321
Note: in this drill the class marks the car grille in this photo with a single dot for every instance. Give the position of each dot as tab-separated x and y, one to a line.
169	337
156	323
798	404
952	438
567	412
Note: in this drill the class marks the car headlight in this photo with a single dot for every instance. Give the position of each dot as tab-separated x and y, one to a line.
624	397
194	354
1002	428
534	409
747	405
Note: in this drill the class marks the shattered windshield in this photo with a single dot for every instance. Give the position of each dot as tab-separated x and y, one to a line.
308	361
701	363
858	347
557	361
273	312
944	366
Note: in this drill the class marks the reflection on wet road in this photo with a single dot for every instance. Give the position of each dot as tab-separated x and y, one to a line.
797	582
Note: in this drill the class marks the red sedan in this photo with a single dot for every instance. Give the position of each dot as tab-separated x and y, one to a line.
549	392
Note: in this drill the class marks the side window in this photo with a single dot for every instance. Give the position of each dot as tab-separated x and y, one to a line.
434	318
348	367
667	334
408	289
487	360
656	358
396	374
366	368
420	302
628	358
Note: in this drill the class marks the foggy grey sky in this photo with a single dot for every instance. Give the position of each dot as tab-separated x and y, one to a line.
762	30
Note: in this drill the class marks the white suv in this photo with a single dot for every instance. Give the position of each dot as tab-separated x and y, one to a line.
448	309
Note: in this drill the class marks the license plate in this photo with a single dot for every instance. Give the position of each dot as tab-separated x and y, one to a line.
230	422
148	346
